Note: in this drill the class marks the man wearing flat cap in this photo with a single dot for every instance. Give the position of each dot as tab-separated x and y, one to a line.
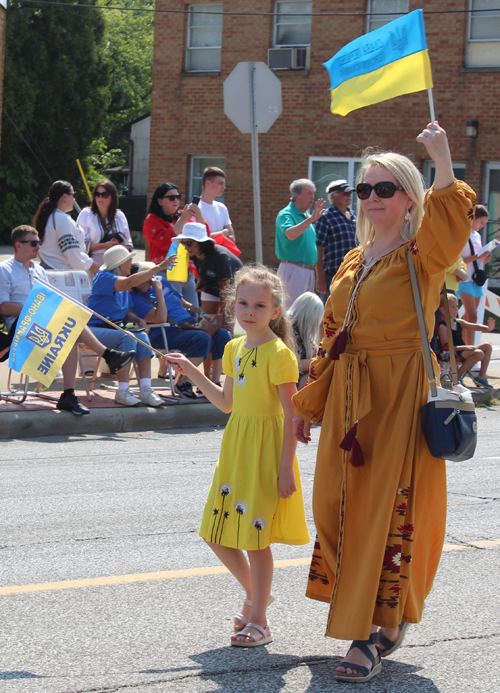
335	235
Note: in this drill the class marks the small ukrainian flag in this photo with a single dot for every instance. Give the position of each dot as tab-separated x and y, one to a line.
388	62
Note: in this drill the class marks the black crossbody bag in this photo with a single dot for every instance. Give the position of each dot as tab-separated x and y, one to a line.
449	418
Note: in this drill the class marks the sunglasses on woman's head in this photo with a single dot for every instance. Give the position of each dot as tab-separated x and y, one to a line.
171	197
104	194
383	190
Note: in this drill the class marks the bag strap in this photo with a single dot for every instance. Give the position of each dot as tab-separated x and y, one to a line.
423	330
421	324
473	252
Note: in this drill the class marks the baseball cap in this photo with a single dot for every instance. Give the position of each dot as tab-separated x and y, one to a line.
339	186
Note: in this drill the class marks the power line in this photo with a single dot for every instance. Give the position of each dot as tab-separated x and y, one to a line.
254	14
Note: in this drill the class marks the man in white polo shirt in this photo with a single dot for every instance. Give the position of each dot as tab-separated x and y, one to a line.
215	213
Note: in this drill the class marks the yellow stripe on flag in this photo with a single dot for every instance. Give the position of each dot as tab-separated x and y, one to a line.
404	76
179	273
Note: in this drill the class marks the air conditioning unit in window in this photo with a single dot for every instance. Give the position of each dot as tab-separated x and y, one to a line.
288	58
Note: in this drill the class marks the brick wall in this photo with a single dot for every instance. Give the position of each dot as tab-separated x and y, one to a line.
187	117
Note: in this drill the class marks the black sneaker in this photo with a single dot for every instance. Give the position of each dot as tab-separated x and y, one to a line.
68	401
118	359
185	390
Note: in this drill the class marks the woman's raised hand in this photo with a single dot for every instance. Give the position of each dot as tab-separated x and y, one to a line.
435	140
168	262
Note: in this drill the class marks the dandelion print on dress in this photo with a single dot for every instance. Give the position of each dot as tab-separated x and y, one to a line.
241	508
226	515
259	523
251	357
224	490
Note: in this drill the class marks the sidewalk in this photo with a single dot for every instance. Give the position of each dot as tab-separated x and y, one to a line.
39	417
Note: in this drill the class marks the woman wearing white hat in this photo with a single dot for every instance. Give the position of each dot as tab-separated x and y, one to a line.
216	265
110	297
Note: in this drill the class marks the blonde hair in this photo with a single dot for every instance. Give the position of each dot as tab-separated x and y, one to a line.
451	297
306	314
266	277
408	176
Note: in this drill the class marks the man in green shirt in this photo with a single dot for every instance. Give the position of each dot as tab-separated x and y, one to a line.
296	240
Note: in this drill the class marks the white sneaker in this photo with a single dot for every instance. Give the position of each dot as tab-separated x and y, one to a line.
150	398
127	398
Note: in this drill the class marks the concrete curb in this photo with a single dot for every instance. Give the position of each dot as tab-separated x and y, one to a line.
32	424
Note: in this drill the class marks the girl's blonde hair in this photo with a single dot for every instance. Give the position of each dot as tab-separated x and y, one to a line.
266	277
451	297
408	176
306	314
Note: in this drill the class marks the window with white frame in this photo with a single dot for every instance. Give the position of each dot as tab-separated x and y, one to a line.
198	165
430	171
323	170
292	23
204	38
483	45
382	12
492	228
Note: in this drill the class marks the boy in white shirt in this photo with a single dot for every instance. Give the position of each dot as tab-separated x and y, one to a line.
215	213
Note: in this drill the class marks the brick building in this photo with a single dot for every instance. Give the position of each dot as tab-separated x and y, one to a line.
195	51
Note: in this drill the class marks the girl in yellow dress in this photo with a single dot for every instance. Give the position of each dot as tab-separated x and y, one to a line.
256	497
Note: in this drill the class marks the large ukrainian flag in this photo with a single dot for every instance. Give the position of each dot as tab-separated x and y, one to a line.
388	62
48	325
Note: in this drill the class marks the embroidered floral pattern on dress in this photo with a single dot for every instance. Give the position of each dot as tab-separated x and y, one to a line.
317	571
413	247
397	555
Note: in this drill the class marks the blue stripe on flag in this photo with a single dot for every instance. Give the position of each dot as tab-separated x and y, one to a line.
398	39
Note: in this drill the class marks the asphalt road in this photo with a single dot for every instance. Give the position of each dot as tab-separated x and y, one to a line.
110	508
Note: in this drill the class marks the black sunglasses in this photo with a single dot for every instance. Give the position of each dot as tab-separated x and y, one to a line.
33	243
383	190
187	244
104	194
171	197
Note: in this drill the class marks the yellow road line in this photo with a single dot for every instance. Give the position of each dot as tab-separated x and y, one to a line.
180	574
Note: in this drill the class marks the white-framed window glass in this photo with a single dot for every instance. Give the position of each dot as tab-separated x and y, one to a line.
382	12
292	23
197	165
430	171
204	38
492	229
325	169
483	45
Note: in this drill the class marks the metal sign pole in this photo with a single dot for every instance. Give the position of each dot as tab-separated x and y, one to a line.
255	168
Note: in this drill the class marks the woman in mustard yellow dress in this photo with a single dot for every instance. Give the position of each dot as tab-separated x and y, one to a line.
256	497
379	496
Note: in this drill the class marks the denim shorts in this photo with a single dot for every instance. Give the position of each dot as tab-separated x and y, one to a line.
470	288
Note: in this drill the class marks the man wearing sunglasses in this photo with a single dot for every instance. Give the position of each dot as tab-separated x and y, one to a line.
335	235
17	277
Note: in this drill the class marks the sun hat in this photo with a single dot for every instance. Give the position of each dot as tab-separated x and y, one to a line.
193	232
116	256
339	186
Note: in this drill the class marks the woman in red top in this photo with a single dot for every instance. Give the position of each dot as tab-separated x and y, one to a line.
163	223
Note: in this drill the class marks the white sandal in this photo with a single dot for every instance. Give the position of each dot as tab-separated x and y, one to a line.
257	641
243	619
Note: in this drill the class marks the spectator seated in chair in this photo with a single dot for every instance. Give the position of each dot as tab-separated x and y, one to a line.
467	354
111	298
17	277
155	301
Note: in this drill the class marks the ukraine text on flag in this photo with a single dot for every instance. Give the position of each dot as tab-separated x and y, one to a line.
48	326
388	62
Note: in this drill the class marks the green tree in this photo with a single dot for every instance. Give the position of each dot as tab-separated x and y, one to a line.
56	92
129	48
